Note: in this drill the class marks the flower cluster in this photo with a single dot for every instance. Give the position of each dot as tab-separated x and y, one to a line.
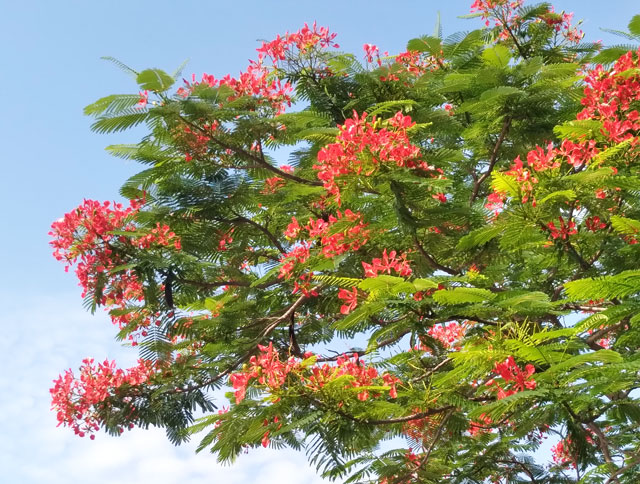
258	80
563	231
76	400
161	235
330	243
420	429
561	23
387	263
448	334
609	98
81	233
415	63
266	368
593	224
272	185
195	140
304	40
350	298
562	454
269	371
362	376
511	372
361	146
225	239
88	237
480	426
505	17
502	12
371	52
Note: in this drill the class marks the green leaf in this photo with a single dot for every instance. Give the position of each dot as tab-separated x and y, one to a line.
381	282
506	184
560	194
479	237
602	356
154	80
456	82
391	107
625	226
431	45
551	71
500	91
577	130
620	285
358	315
112	104
497	56
462	295
121	65
634	25
424	284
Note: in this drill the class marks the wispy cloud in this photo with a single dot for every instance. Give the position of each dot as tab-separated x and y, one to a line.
55	335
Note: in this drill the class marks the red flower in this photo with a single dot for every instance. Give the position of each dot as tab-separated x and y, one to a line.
350	298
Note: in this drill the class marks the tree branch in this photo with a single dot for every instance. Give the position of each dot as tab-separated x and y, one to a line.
274	240
434	263
260	160
506	125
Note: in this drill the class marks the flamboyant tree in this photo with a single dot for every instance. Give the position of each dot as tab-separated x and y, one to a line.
446	266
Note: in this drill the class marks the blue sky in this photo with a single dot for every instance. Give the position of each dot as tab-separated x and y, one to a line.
51	161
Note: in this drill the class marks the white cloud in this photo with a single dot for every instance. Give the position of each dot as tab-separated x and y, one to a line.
43	341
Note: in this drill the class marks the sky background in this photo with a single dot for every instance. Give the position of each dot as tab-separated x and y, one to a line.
50	69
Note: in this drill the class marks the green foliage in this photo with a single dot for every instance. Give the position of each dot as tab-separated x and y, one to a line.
154	80
478	328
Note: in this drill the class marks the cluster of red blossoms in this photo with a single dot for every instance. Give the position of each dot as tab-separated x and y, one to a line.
511	372
562	454
87	237
448	334
76	399
609	98
269	371
330	244
195	141
563	231
609	95
266	367
387	263
363	376
257	80
503	13
416	63
362	146
505	16
275	183
303	40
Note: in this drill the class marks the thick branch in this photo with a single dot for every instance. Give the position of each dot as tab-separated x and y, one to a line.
604	447
506	125
434	263
387	421
614	476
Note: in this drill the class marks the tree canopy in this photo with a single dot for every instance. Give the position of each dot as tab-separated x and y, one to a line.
442	274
